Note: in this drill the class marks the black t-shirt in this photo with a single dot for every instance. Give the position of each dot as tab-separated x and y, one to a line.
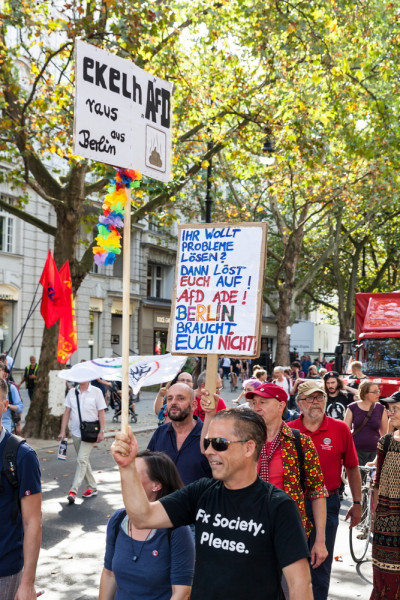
336	405
242	539
355	381
236	366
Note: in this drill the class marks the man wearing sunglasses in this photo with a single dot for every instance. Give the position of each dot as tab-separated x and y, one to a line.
247	531
334	443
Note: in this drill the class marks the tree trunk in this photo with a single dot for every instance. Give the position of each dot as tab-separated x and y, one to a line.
39	422
283	319
346	332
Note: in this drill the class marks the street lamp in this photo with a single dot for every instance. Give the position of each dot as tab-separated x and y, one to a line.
268	149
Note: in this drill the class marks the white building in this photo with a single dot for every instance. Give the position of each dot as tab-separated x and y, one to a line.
23	252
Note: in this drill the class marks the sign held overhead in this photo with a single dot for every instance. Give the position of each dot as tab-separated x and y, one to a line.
122	113
217	303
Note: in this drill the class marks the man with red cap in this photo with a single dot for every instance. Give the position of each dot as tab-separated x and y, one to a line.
290	461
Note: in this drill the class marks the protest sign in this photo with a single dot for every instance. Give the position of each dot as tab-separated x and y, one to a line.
217	303
122	113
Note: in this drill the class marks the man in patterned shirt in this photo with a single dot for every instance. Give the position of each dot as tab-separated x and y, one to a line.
279	463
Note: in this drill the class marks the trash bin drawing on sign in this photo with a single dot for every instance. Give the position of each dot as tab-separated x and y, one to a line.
155	148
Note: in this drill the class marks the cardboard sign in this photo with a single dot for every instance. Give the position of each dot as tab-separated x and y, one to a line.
217	301
122	113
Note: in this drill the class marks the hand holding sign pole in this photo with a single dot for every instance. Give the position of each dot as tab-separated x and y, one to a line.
122	118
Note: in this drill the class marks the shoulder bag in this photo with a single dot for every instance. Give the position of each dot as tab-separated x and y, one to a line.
89	429
365	420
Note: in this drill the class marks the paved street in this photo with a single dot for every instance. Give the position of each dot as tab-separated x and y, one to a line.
73	545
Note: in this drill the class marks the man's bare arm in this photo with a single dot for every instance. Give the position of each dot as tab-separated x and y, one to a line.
142	513
319	551
64	422
298	579
32	524
354	512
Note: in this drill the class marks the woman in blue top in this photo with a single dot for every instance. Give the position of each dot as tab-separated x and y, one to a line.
148	564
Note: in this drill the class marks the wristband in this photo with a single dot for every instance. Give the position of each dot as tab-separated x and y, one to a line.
356	502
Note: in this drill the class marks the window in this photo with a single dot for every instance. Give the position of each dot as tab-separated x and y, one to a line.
154	281
6	320
381	357
94	331
7	233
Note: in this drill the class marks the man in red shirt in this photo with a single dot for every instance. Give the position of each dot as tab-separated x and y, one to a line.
201	384
335	446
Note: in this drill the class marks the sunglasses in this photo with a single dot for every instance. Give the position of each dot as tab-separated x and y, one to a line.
221	444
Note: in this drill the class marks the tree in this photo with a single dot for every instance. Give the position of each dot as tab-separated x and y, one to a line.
368	262
37	45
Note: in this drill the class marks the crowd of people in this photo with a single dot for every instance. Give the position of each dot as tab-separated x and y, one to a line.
254	489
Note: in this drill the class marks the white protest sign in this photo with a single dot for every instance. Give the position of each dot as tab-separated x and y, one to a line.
217	301
122	113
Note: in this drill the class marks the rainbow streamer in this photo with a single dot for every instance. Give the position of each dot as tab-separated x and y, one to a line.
112	219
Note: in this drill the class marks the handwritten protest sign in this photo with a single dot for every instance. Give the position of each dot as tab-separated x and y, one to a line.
217	301
122	113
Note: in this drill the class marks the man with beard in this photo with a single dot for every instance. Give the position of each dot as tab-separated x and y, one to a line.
338	397
180	438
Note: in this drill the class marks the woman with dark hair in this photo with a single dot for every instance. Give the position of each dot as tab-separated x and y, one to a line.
367	420
150	564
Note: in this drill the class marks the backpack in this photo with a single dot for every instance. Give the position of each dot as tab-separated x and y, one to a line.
10	470
300	456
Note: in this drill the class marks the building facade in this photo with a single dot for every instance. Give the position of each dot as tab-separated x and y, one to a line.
23	252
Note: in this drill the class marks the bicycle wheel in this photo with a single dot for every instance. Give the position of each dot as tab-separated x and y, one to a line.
359	536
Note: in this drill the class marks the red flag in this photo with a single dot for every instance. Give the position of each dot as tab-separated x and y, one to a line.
67	337
53	297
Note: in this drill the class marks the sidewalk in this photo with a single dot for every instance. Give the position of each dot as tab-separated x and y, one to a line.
147	420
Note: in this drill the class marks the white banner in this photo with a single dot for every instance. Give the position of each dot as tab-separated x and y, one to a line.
217	301
122	113
143	370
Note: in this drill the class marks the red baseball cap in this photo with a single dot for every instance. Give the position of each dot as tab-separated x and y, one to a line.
269	390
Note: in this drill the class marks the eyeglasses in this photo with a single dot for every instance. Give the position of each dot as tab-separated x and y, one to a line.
310	399
221	444
394	410
373	392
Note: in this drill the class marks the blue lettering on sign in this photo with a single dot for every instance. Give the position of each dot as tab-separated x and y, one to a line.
228	281
195	271
185	342
225	232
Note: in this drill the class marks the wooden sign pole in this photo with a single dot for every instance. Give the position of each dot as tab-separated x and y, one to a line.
211	377
126	298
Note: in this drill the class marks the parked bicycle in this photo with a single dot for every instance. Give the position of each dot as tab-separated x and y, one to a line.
360	535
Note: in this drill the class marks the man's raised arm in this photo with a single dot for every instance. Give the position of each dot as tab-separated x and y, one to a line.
142	513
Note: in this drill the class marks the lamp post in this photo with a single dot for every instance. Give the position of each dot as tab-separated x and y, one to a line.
208	201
